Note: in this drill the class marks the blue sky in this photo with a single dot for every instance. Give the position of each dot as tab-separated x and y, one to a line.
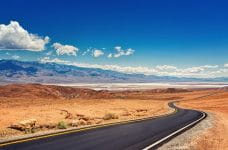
140	33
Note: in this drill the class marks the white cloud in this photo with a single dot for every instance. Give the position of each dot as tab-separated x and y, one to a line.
226	65
16	57
109	56
15	37
210	66
221	72
165	70
49	53
87	51
65	49
125	69
200	68
121	52
55	60
166	67
97	53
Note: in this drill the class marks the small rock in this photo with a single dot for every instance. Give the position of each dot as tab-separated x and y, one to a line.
109	116
74	123
85	118
126	114
98	121
28	123
80	115
82	122
24	125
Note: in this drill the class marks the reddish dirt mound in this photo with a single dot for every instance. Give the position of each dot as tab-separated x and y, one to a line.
173	90
224	88
54	92
43	91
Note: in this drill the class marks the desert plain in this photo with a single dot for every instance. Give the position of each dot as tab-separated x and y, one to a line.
55	108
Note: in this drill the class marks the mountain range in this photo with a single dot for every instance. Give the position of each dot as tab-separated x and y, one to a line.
14	71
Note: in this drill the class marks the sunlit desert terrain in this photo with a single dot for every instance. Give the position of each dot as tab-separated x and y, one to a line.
51	105
217	104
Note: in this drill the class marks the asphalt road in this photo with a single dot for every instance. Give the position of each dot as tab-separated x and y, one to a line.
132	136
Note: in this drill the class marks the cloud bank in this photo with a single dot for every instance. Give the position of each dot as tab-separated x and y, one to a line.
162	70
15	37
65	49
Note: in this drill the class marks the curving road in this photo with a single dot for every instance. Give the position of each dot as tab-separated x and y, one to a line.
146	134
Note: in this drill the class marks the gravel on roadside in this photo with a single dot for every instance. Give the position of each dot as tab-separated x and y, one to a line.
187	140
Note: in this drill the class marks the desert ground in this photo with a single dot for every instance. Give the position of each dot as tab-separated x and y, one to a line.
217	104
51	107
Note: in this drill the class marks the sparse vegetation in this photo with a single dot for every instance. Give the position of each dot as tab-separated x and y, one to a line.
33	130
62	125
30	130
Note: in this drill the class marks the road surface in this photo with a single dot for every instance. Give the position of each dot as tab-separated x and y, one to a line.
146	134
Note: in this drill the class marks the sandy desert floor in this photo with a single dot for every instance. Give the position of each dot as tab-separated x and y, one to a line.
46	113
51	105
217	137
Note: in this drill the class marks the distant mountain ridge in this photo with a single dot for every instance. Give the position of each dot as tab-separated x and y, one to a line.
14	71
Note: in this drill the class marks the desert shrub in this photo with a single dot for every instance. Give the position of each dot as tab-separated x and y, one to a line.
27	131
30	130
109	116
62	125
33	130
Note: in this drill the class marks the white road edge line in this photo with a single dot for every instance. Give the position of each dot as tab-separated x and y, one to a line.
172	134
